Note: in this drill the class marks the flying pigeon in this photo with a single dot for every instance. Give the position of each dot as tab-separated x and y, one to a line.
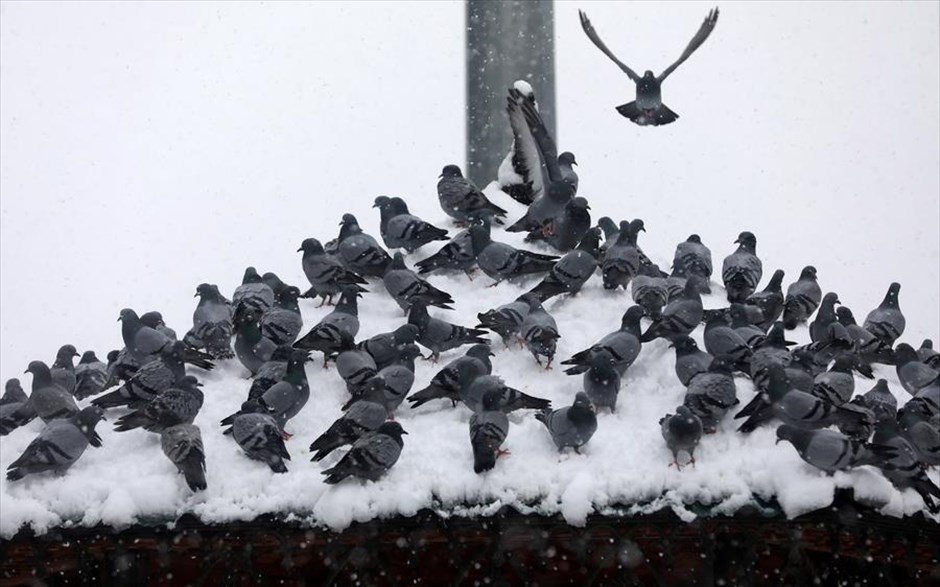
364	416
622	344
539	331
648	109
886	321
488	429
58	445
406	287
212	323
456	376
359	252
456	255
176	405
741	270
370	456
682	432
463	201
694	258
500	261
182	444
572	271
401	229
257	433
437	335
572	425
326	274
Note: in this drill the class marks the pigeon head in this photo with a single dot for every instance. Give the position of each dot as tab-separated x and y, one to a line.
583	402
602	359
831	299
152	319
251	276
491	400
409	352
13	391
392	429
65	354
480	351
128	315
798	437
607	225
776	280
637	226
844	316
398	262
418	314
406	334
381	202
778	383
578	203
739	314
274	282
694	238
451	171
719	318
253	406
87	419
290	293
590	241
775	336
480	236
808	272
567	158
684	344
282	353
532	299
648	75
188	382
40	371
373	390
927	344
298	357
891	298
398	206
631	318
748	241
174	351
113	355
721	365
311	245
844	363
903	353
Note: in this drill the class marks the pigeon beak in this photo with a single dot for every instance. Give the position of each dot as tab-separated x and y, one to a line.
26	371
196	295
403	432
778	441
737	241
300	249
643	229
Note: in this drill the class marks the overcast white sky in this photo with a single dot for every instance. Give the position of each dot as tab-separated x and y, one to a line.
145	148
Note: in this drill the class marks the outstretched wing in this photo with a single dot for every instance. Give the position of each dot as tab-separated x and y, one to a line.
592	34
706	29
544	141
525	160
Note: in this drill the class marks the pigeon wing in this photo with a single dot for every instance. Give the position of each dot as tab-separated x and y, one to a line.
708	25
592	34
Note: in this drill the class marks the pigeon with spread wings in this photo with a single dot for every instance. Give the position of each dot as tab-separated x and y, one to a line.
648	109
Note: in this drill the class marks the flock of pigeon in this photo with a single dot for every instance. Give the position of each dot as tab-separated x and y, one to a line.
808	392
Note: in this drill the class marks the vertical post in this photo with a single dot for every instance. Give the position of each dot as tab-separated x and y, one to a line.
506	41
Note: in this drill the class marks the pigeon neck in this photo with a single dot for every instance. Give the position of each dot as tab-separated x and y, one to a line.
775	282
890	301
296	374
41	377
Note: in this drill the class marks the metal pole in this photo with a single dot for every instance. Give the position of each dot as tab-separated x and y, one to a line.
506	41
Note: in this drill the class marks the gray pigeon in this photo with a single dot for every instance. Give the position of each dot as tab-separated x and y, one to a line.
506	319
282	322
91	376
276	284
682	432
326	273
63	369
819	328
500	261
539	331
148	381
355	367
212	323
602	380
154	320
711	394
370	456
15	408
831	451
365	415
359	252
572	271
721	340
437	335
836	385
386	347
512	399
623	345
568	226
870	348
882	404
913	374
145	343
741	270
401	229
48	398
694	258
252	347
58	445
182	444
406	287
253	294
488	429
802	299
622	259
337	330
904	469
648	108
397	380
772	351
271	371
519	175
648	289
886	321
121	365
611	231
456	255
927	355
690	360
675	285
176	405
769	300
257	433
921	430
573	425
463	201
680	316
752	334
287	397
456	376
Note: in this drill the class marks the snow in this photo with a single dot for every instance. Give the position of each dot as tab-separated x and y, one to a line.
214	138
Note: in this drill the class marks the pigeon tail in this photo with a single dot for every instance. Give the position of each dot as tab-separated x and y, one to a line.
660	116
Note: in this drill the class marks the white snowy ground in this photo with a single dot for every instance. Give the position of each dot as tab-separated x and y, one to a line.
144	150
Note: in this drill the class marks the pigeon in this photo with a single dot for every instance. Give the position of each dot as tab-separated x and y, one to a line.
622	259
623	345
48	398
506	319
836	385
769	301
649	290
397	380
121	365
752	334
512	399
252	347
556	174
904	469
176	405
679	317
370	456
682	432
648	108
149	381
59	444
913	374
145	343
802	299
257	433
359	252
772	351
63	370
276	284
91	376
287	397
539	331
271	371
437	335
879	400
456	376
741	270
405	287
721	340
212	323
602	380
500	261
326	273
573	425
568	226
711	394
488	429
927	355
675	285
154	320
355	367
886	321
834	342
831	451
253	294
869	347
385	348
690	360
611	232
572	271
337	330
463	201
402	230
282	322
456	255
15	408
819	328
921	430
182	444
694	258
365	415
